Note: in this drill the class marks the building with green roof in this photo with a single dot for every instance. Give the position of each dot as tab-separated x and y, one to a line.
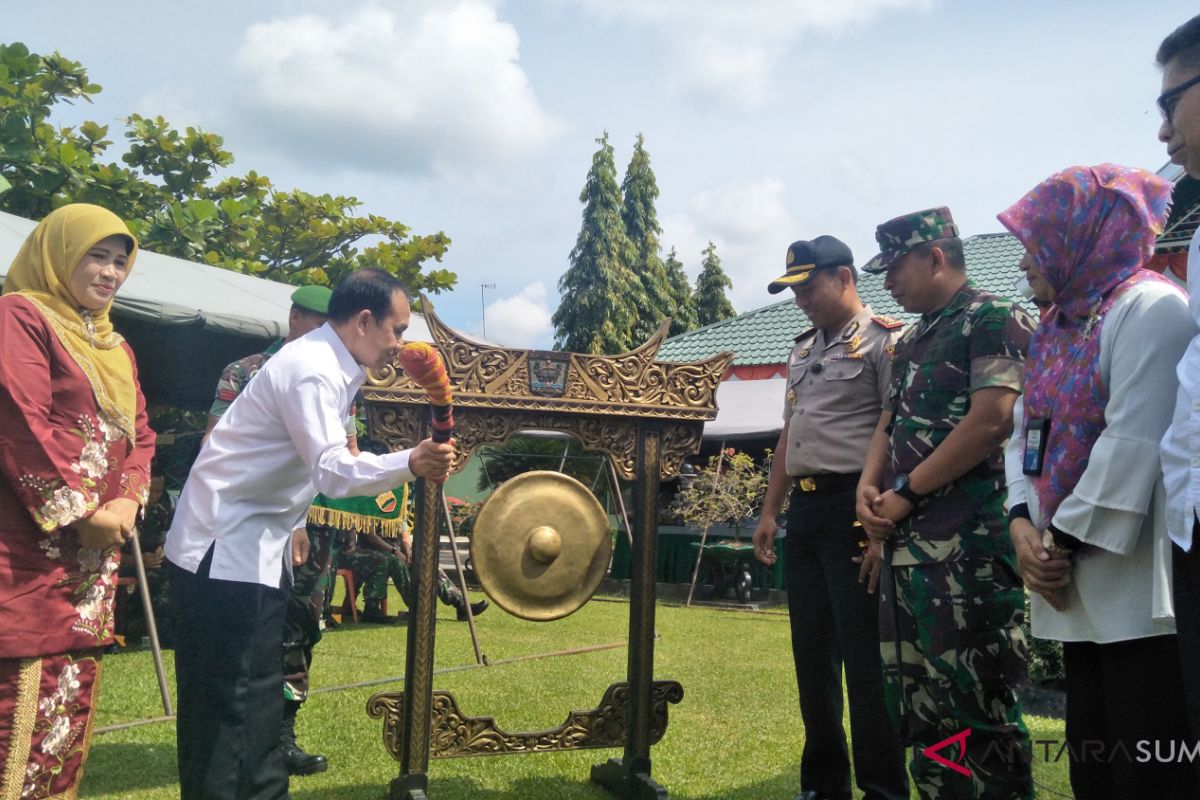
763	337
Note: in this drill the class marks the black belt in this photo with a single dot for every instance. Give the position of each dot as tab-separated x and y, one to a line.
826	482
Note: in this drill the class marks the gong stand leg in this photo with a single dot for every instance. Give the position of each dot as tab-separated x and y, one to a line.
629	777
418	658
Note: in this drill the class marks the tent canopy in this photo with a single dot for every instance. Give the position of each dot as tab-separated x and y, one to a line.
748	409
185	321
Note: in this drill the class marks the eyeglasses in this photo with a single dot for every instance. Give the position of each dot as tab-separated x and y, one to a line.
1170	98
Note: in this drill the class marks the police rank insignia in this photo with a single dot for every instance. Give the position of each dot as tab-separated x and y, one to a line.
791	397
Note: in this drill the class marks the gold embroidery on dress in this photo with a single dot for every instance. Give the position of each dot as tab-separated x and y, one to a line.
29	683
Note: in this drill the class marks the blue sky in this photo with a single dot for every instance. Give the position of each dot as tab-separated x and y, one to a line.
766	120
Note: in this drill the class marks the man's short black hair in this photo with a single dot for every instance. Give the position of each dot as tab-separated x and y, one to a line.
952	249
1183	44
370	289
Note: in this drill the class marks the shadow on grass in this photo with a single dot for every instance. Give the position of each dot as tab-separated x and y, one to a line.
110	769
551	787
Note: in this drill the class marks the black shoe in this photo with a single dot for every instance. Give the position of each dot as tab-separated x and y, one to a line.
377	616
299	762
460	612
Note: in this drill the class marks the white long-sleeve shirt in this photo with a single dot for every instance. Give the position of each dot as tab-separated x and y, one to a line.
1120	587
282	441
1181	444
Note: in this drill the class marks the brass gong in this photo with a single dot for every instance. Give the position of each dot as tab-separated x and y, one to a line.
541	545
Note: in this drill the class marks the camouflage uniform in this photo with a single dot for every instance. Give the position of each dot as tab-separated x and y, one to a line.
372	569
951	599
306	604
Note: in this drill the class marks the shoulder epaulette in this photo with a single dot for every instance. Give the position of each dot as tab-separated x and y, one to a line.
890	323
805	333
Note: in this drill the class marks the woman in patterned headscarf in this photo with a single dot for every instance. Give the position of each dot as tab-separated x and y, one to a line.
75	451
1085	486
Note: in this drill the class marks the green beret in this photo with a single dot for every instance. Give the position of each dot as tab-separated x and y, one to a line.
313	298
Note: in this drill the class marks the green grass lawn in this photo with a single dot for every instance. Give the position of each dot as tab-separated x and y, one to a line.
736	735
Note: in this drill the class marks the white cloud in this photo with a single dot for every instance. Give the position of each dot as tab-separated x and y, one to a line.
177	105
522	320
751	227
411	88
728	50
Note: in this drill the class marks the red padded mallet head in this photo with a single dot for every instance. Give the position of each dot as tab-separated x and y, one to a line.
424	365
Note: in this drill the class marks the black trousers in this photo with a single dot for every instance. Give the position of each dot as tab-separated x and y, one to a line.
1125	721
835	625
229	682
1186	569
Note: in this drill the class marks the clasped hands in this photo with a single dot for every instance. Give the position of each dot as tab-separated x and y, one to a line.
878	512
108	526
1044	571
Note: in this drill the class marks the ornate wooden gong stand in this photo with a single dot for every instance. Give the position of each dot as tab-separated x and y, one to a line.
646	416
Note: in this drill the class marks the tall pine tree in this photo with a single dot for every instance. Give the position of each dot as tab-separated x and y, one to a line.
711	303
596	313
683	305
640	190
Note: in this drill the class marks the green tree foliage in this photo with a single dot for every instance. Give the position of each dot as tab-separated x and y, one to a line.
166	188
596	313
711	303
683	316
639	190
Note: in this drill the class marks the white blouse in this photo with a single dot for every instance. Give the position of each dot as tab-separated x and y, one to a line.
1121	584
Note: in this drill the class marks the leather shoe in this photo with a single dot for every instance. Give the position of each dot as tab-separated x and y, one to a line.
299	762
812	794
476	610
378	617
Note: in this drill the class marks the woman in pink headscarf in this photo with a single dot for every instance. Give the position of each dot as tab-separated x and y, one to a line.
1085	485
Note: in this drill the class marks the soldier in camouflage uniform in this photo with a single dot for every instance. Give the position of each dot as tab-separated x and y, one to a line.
310	306
374	559
932	495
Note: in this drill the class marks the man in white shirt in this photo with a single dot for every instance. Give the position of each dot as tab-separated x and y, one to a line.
279	444
1179	57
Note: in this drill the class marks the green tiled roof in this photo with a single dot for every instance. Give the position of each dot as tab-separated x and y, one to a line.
764	336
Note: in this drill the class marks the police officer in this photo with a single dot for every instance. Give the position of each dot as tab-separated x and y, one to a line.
838	375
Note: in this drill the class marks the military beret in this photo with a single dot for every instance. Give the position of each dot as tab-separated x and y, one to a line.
313	298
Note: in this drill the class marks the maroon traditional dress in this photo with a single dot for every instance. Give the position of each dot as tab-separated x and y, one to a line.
61	458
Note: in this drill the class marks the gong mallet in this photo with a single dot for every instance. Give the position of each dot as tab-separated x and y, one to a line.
423	364
151	623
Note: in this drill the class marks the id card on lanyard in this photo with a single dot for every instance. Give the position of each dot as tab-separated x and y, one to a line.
1037	431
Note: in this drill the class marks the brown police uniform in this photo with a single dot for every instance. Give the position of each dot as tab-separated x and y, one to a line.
836	388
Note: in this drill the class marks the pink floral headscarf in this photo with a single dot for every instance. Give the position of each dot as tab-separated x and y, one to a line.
1090	230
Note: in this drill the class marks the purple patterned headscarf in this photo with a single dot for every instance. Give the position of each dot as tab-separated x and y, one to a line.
1089	230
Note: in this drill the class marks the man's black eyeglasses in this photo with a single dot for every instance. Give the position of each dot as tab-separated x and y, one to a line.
1170	98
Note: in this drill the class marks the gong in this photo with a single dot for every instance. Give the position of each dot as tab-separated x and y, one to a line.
541	545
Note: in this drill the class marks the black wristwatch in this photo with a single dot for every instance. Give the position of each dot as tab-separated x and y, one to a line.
900	486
